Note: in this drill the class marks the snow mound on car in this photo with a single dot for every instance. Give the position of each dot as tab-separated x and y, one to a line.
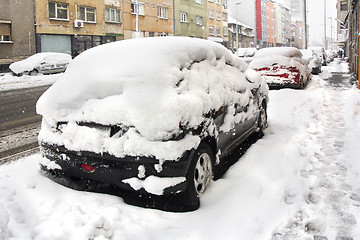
152	84
282	51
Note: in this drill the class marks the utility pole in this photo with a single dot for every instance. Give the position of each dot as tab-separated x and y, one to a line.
236	23
306	27
137	18
325	42
331	33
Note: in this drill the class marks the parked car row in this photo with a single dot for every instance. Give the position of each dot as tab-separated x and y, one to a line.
158	116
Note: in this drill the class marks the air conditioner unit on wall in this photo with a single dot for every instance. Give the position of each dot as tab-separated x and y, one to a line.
78	23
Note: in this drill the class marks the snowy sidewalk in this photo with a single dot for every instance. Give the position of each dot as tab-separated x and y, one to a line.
333	205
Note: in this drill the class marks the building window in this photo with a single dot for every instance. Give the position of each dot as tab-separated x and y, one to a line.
58	11
225	31
211	14
162	12
199	20
138	8
218	16
112	15
343	6
151	34
198	1
218	31
225	17
211	30
87	14
218	2
183	17
225	3
5	31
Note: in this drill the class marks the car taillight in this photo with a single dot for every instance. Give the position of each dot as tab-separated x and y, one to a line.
87	168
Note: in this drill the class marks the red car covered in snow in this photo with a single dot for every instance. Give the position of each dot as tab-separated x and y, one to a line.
282	67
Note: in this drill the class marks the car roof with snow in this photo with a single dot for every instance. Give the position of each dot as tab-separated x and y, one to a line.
150	83
280	51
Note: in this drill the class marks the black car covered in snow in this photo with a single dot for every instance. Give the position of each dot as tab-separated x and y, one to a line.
154	115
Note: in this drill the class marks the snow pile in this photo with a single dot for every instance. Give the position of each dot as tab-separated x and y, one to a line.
280	51
10	82
34	61
148	86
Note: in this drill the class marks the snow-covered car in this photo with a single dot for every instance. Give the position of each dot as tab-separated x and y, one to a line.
320	51
247	54
330	54
44	63
152	115
282	67
315	62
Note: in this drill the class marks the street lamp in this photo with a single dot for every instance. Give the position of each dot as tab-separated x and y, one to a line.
331	32
236	24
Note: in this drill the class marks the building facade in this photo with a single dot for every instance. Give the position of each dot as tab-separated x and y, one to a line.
245	36
17	33
148	18
190	18
270	21
72	26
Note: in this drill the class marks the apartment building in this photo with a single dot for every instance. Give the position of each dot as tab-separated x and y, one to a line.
270	23
245	37
214	20
148	18
17	33
190	18
72	26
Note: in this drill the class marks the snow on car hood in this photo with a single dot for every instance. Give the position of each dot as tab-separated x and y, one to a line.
152	84
35	60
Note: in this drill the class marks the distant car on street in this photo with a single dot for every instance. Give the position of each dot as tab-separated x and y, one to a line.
282	67
44	63
247	54
315	61
330	55
151	115
320	51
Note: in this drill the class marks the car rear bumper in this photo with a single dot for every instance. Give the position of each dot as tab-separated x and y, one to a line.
108	169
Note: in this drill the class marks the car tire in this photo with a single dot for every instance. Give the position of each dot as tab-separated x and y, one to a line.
262	121
34	72
199	175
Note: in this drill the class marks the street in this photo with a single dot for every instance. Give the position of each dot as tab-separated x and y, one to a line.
19	123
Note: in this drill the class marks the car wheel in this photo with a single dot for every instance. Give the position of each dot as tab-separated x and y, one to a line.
200	174
262	120
34	72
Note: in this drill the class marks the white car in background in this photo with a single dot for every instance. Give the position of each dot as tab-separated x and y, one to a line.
247	54
315	61
44	63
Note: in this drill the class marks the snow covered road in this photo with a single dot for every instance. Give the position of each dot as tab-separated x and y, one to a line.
300	181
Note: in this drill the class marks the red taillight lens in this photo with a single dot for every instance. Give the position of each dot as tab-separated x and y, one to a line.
87	168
